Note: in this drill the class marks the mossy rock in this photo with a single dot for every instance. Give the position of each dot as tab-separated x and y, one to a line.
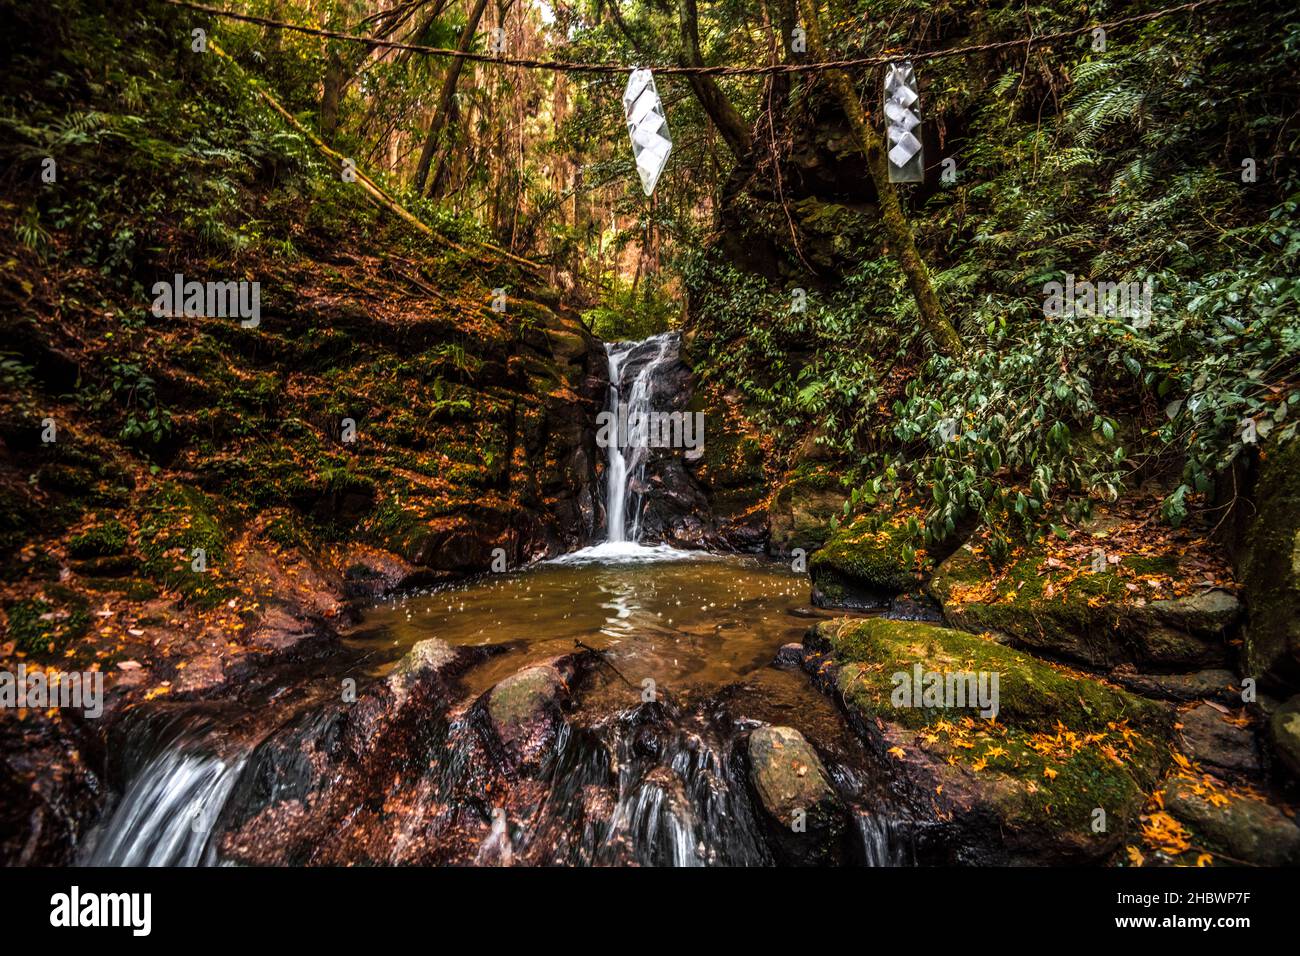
1092	619
801	512
732	467
1269	567
100	541
46	626
865	563
1022	787
1239	826
178	520
794	788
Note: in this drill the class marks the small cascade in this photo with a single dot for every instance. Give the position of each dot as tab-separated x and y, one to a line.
647	789
169	811
884	841
633	368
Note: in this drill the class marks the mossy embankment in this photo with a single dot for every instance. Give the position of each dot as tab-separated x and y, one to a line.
1060	747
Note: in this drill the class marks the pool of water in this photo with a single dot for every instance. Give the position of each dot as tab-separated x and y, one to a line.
690	621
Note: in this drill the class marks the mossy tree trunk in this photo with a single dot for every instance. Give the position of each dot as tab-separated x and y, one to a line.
897	228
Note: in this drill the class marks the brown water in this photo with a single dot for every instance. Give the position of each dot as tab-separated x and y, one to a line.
689	622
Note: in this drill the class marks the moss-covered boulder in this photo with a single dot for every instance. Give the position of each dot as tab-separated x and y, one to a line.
1025	786
1269	568
794	788
98	541
867	562
801	511
1138	609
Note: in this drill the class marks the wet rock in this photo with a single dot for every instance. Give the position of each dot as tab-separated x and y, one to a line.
795	790
524	710
370	573
1016	790
1095	619
1269	567
789	655
914	607
1210	739
1285	728
427	656
864	565
1246	829
1216	685
811	613
48	796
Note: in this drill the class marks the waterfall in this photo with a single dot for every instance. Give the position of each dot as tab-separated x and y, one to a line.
627	454
885	842
168	813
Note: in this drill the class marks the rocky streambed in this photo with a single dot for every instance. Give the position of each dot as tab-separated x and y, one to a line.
680	734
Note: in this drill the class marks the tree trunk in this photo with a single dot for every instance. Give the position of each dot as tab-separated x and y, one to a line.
897	228
445	97
731	125
336	77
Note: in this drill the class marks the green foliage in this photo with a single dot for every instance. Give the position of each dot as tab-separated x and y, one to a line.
145	422
628	313
1116	166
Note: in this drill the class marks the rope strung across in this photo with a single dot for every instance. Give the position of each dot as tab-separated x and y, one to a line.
671	69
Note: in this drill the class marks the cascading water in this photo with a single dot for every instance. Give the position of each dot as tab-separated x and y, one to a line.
167	815
628	450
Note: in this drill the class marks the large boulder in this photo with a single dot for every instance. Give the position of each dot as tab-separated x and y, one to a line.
1025	787
1139	610
801	510
1238	825
865	564
1211	738
1269	567
794	788
525	712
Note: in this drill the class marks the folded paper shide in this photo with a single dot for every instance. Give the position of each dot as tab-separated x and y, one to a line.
647	126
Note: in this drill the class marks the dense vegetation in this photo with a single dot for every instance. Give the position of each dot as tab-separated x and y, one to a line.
1122	165
1162	155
